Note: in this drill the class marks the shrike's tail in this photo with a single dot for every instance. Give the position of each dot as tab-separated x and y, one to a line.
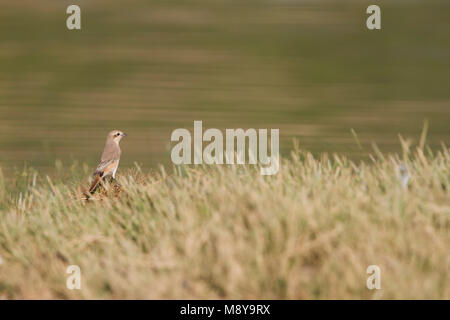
94	185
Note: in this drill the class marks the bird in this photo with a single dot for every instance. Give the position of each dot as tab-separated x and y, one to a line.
110	159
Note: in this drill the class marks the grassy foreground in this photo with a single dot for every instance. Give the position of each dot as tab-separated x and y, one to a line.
226	232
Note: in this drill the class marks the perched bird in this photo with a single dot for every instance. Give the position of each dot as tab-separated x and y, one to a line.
110	159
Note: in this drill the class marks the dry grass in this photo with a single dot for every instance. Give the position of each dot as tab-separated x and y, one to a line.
309	232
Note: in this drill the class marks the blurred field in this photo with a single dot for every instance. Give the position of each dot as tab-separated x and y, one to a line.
227	232
310	68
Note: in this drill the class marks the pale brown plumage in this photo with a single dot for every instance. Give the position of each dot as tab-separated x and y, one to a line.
110	159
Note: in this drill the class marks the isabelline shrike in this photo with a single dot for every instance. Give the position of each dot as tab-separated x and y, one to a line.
110	159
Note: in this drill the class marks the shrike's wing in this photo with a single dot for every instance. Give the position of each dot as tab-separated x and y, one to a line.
105	166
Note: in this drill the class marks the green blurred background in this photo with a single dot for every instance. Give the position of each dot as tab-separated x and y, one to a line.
310	68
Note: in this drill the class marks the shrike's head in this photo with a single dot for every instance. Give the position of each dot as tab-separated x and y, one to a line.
116	135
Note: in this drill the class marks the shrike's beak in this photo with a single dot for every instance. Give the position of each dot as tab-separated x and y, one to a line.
124	134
